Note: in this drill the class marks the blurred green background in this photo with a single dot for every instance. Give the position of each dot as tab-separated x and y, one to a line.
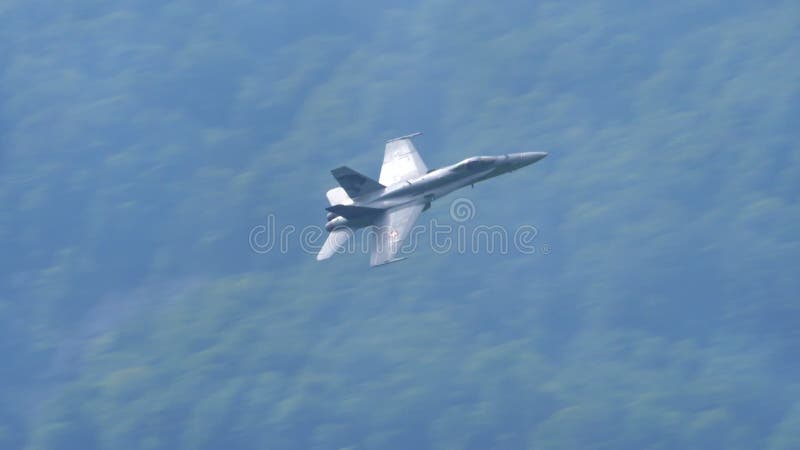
140	142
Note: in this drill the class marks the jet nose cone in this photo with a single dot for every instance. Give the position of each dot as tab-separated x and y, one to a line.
534	156
527	158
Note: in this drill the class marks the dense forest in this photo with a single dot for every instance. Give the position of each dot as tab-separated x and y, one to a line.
142	142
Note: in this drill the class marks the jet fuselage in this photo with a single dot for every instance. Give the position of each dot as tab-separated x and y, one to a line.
404	189
440	182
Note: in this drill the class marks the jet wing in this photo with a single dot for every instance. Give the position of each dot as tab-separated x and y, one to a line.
401	161
392	229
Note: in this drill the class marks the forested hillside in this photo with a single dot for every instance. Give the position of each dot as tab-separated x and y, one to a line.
142	142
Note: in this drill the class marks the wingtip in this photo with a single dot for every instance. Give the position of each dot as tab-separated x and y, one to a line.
384	263
408	136
339	170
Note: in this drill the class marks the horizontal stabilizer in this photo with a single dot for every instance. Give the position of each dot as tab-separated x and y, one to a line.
337	196
353	212
354	183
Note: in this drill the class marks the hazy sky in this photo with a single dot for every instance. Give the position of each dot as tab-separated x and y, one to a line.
142	142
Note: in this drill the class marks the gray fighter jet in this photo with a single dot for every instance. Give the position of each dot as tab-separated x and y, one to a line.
403	191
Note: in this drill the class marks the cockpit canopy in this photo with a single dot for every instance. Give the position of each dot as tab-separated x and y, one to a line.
476	163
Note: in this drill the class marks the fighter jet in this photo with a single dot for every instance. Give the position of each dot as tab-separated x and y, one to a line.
405	188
